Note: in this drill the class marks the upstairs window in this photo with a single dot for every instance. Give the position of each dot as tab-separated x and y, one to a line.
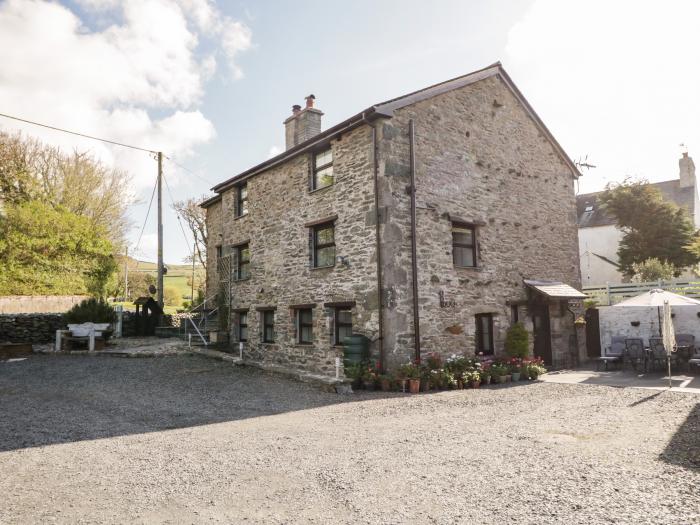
323	169
484	334
242	262
242	200
323	245
463	245
268	326
305	328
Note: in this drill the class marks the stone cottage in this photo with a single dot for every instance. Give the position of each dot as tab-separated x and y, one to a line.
599	237
429	223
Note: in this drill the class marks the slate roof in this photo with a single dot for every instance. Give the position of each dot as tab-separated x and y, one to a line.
555	289
386	110
590	213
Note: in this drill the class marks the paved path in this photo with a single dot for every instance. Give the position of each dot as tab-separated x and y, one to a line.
618	378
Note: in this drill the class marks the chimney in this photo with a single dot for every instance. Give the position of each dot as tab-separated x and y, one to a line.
686	167
303	124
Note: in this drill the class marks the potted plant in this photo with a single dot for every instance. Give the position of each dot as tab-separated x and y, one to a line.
517	341
412	373
386	381
425	373
369	378
514	366
473	378
500	371
485	375
536	368
354	373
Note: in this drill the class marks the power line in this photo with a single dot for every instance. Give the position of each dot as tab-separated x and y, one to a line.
187	169
78	134
146	219
177	215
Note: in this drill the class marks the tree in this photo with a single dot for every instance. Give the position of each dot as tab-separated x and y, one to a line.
517	341
653	270
76	182
651	226
171	296
195	218
50	250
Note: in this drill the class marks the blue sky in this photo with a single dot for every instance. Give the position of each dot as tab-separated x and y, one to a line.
210	83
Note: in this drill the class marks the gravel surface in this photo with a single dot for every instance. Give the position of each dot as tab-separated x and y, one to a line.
185	439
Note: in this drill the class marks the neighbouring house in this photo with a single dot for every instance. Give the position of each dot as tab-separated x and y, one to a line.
332	237
599	237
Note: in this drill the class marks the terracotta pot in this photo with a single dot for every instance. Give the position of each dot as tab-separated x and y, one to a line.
414	386
475	384
386	385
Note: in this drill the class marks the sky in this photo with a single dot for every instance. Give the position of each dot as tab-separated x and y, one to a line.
210	83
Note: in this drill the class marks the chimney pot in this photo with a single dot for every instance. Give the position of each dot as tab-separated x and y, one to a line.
296	108
310	101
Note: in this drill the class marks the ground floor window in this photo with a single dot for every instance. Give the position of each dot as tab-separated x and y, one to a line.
268	326
343	324
305	329
243	327
484	334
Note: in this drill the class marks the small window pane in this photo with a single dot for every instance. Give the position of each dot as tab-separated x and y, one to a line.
463	236
463	256
323	178
244	334
345	316
325	256
305	316
306	334
325	236
324	157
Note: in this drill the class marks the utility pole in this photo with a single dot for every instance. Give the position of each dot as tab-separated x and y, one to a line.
194	247
126	274
160	229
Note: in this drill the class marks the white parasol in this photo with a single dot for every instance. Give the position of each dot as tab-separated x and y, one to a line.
669	337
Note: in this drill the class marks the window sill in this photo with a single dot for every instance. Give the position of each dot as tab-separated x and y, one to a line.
241	280
241	216
472	268
317	190
304	345
322	267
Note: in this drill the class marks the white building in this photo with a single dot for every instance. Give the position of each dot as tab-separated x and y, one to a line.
599	236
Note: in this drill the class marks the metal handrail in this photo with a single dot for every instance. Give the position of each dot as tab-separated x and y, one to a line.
198	332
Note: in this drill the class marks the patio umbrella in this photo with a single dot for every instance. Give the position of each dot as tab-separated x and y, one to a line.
658	297
669	337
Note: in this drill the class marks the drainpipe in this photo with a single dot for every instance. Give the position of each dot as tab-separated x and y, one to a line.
375	172
573	318
414	256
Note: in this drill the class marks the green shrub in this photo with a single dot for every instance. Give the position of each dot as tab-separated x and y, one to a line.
517	341
90	311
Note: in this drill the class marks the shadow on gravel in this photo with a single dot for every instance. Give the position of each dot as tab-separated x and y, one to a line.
46	400
684	447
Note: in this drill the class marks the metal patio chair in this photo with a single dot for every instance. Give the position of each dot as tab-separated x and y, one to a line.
635	354
614	353
657	353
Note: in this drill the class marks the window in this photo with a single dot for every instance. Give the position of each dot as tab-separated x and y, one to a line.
242	327
323	169
514	314
323	245
305	329
242	200
463	245
242	262
268	326
484	334
343	324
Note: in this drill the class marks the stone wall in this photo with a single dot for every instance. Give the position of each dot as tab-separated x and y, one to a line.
280	207
29	304
30	328
480	158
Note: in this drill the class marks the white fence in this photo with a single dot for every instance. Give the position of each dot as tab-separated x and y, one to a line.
614	293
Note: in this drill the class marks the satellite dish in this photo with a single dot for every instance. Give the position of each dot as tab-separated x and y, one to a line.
152	289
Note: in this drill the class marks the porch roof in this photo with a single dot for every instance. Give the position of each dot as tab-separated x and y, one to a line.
554	289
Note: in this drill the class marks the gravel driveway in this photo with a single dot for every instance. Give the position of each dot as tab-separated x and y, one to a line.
187	440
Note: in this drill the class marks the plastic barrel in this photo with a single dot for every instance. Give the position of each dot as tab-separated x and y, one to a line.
355	349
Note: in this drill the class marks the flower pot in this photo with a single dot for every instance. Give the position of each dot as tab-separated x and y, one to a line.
403	384
369	385
534	376
414	386
356	384
502	379
475	384
460	384
487	380
424	385
385	385
515	376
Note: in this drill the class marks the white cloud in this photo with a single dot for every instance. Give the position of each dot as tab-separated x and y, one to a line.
131	80
615	80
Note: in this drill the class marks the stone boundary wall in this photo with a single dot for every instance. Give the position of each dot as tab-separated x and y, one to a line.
41	328
30	304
